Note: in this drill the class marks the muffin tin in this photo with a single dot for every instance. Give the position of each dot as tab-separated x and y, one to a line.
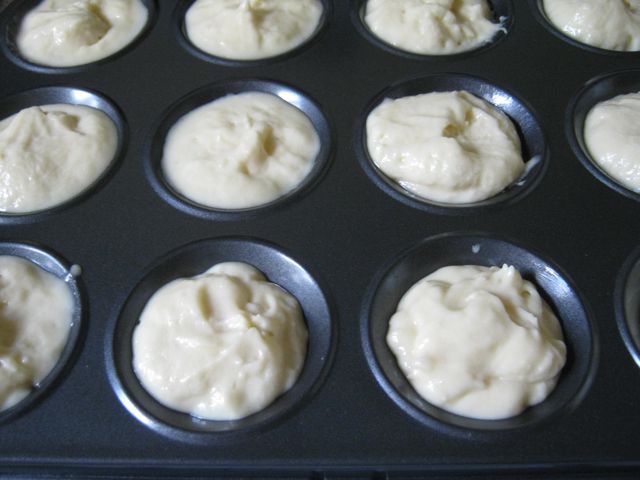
347	244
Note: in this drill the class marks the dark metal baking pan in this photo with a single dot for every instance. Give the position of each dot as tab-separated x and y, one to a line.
349	237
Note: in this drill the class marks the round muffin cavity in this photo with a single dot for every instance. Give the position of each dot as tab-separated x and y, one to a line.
251	29
477	341
240	151
36	312
612	136
221	345
52	153
449	147
433	27
66	33
606	24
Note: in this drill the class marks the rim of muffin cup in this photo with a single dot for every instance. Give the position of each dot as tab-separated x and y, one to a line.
541	16
198	98
502	11
478	248
73	96
195	258
179	14
598	89
627	304
54	264
10	21
532	138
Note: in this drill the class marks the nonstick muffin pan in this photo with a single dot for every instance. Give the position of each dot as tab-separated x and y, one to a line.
347	243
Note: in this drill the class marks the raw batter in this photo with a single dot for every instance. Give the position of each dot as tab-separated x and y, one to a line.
66	33
35	317
477	341
612	136
240	151
51	153
431	27
251	29
449	147
608	24
221	345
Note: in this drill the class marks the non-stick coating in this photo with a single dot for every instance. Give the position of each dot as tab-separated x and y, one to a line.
570	230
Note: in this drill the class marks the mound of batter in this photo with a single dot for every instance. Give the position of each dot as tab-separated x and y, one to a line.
221	345
612	136
431	27
477	341
608	24
449	147
240	151
51	153
66	33
251	29
36	311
